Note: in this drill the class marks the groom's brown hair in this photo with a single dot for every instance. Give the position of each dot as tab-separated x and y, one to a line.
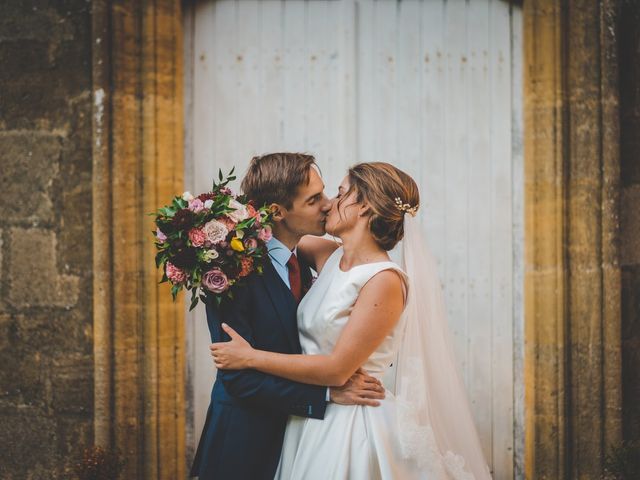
276	177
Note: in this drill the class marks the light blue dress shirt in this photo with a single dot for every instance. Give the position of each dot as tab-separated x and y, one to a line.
280	255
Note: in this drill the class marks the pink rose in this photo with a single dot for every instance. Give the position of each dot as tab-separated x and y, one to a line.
215	281
175	274
160	236
196	205
227	222
265	234
250	243
197	237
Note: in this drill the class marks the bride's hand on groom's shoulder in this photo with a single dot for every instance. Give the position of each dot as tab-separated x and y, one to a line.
360	389
232	355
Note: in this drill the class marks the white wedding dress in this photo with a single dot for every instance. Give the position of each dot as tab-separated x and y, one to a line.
352	442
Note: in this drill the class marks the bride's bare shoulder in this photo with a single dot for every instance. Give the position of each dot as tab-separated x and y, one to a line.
317	250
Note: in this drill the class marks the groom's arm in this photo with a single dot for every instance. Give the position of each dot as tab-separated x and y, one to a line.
257	388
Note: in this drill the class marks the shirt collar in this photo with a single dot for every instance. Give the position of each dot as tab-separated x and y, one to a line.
278	251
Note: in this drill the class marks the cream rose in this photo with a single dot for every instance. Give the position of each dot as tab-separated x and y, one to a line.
239	212
215	232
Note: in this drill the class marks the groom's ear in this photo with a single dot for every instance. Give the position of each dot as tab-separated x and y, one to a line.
277	212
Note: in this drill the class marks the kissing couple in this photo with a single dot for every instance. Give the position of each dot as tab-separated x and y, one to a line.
351	376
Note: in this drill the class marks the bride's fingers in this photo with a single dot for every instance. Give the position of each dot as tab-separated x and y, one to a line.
230	331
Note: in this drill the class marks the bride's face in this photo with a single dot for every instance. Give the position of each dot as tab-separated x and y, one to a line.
344	211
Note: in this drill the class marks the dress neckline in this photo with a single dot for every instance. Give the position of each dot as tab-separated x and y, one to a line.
361	265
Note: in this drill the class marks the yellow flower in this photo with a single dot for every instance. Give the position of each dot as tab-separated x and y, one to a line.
237	245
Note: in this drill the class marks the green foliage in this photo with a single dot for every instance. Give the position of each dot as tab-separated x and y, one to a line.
222	181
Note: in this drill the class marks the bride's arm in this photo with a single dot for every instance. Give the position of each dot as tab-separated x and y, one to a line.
373	317
316	250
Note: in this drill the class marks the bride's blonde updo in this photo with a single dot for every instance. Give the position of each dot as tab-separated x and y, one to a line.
390	193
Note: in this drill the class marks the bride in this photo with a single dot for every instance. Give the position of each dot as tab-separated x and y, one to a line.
365	311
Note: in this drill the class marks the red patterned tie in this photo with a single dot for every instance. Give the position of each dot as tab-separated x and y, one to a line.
295	280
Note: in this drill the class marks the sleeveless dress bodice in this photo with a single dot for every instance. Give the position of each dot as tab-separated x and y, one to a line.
325	310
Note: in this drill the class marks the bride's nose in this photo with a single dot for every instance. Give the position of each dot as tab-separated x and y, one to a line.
326	204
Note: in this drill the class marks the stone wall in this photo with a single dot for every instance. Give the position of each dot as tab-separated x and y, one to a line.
46	347
629	53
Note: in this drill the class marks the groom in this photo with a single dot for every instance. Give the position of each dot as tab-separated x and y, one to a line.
244	428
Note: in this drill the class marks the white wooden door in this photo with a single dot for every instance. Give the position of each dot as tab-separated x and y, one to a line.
430	86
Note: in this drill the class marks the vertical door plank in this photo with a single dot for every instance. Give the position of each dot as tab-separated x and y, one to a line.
456	180
367	92
317	79
408	88
480	225
502	264
385	52
432	136
270	94
295	76
229	57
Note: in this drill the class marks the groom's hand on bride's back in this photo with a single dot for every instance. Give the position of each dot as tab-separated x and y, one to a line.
360	389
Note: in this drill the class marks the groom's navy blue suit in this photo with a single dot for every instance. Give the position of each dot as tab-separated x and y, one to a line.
244	429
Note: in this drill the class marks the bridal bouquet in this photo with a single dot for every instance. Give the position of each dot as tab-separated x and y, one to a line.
210	242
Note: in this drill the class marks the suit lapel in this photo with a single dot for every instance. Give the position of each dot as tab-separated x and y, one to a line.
305	276
283	301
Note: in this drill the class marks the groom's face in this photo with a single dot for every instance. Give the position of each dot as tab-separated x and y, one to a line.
309	208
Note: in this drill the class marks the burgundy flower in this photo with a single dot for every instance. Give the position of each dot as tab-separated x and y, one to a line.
183	219
185	258
206	196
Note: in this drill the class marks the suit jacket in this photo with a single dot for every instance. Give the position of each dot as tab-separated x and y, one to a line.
244	429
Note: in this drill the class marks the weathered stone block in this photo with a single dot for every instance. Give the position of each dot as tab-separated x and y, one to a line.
72	384
45	62
6	323
30	163
52	333
24	382
76	193
33	274
28	445
73	436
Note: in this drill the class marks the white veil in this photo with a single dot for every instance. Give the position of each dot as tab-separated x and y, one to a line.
436	426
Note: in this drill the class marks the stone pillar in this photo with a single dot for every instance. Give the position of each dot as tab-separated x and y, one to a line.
138	164
572	277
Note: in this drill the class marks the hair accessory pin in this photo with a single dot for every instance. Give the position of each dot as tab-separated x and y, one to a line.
405	207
